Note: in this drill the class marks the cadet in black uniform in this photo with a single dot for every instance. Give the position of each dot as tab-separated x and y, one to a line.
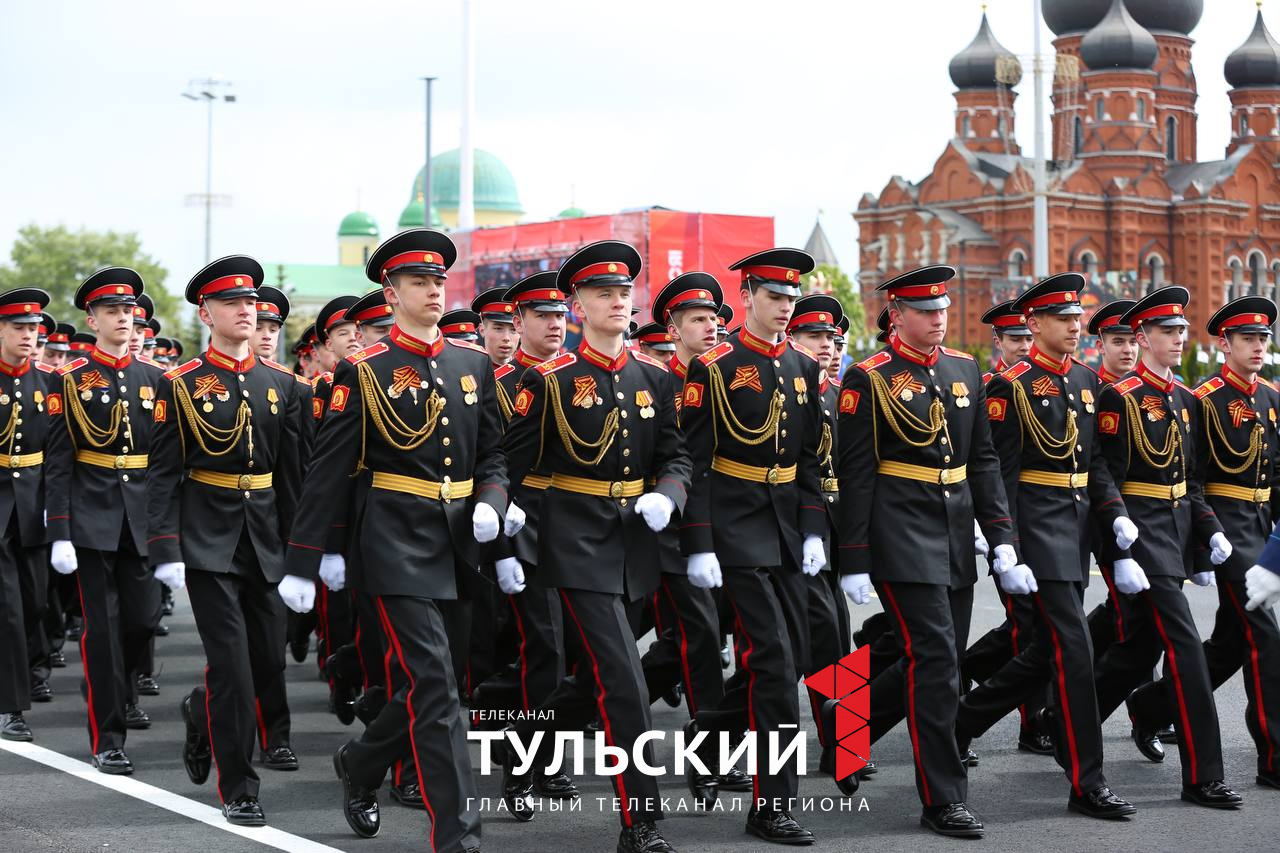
23	400
222	494
461	324
655	341
420	414
602	425
1147	423
915	415
1042	411
97	488
752	413
1238	412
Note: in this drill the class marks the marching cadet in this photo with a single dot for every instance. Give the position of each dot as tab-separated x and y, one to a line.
497	327
305	350
921	407
223	488
420	414
655	341
1116	341
814	326
1042	414
59	344
601	424
752	415
1009	335
373	316
45	327
149	339
836	368
1147	424
724	319
461	324
1237	470
23	391
101	404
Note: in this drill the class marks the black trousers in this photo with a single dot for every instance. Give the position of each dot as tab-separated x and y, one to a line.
537	665
1001	644
491	644
422	716
771	635
1240	638
34	579
931	625
121	608
1162	621
825	644
687	650
1059	652
241	622
606	682
62	595
335	626
15	678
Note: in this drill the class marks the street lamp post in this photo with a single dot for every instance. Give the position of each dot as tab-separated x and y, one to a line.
426	170
201	90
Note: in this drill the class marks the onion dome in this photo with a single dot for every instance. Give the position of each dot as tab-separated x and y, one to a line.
1256	62
1177	16
1118	41
1073	16
358	224
975	66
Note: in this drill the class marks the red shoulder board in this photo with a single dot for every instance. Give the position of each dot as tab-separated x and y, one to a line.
986	377
1266	382
648	359
183	368
823	383
563	360
463	344
499	372
43	368
72	365
802	349
958	353
275	365
1208	387
367	352
718	351
302	380
1012	373
1125	387
880	358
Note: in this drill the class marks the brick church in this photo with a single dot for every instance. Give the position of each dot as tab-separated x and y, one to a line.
1131	204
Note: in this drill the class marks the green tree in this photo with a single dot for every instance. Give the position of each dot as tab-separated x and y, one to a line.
57	260
827	278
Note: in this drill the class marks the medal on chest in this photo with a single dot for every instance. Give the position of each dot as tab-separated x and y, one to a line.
468	385
405	379
905	386
1087	396
274	399
91	381
802	390
209	387
960	391
584	392
645	401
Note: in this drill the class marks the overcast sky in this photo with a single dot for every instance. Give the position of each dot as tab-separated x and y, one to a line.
779	109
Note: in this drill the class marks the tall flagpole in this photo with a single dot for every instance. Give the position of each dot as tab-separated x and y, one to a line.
466	159
1041	204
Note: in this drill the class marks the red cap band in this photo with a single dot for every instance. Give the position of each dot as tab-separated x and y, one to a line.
58	337
688	296
605	268
551	295
19	308
918	291
458	329
1173	310
497	308
655	338
1058	298
269	308
149	334
772	273
811	317
1244	320
1006	320
81	346
227	282
337	318
374	313
412	258
109	290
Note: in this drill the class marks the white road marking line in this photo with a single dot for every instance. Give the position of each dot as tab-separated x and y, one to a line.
130	787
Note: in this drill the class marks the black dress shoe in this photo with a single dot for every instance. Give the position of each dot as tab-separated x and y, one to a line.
1100	803
777	826
299	646
40	692
517	791
734	780
1148	744
1037	742
245	811
359	804
196	755
672	696
342	693
135	718
969	758
643	837
705	790
14	727
409	794
1168	735
1214	795
280	758
558	786
57	659
953	820
113	762
148	686
1268	780
371	703
162	630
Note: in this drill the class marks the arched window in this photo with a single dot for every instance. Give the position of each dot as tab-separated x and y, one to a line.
1257	274
1236	287
1171	138
1016	267
1099	109
1078	142
1089	265
1142	110
1155	273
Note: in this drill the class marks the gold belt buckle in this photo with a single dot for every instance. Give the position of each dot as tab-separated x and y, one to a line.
446	490
829	484
14	461
615	490
120	462
771	476
245	481
1261	495
1077	480
944	476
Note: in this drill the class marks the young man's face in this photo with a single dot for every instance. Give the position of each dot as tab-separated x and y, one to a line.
663	356
1012	347
821	344
605	308
500	340
1119	352
113	324
342	340
18	341
1245	351
1163	343
772	310
419	299
837	356
694	328
310	363
266	335
1056	334
37	354
231	319
371	334
137	339
920	329
54	358
541	332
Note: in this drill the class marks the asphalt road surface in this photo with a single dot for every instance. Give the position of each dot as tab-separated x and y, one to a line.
51	800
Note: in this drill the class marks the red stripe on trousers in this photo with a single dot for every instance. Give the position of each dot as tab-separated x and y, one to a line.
1013	641
262	726
84	661
740	628
1062	694
604	717
684	651
1184	736
1257	678
523	654
1115	604
408	701
911	693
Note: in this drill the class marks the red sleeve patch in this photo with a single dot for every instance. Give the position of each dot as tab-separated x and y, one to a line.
338	398
317	408
849	401
158	414
55	404
693	395
996	407
1109	423
523	401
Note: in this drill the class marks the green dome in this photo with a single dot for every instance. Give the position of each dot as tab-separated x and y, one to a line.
492	182
411	216
358	224
571	213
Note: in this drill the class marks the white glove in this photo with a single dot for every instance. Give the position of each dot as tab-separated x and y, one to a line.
814	557
704	570
1005	559
172	575
656	509
510	575
299	594
1262	586
1018	580
333	571
980	546
1126	532
514	521
63	557
484	523
1129	577
857	587
1219	549
1204	579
